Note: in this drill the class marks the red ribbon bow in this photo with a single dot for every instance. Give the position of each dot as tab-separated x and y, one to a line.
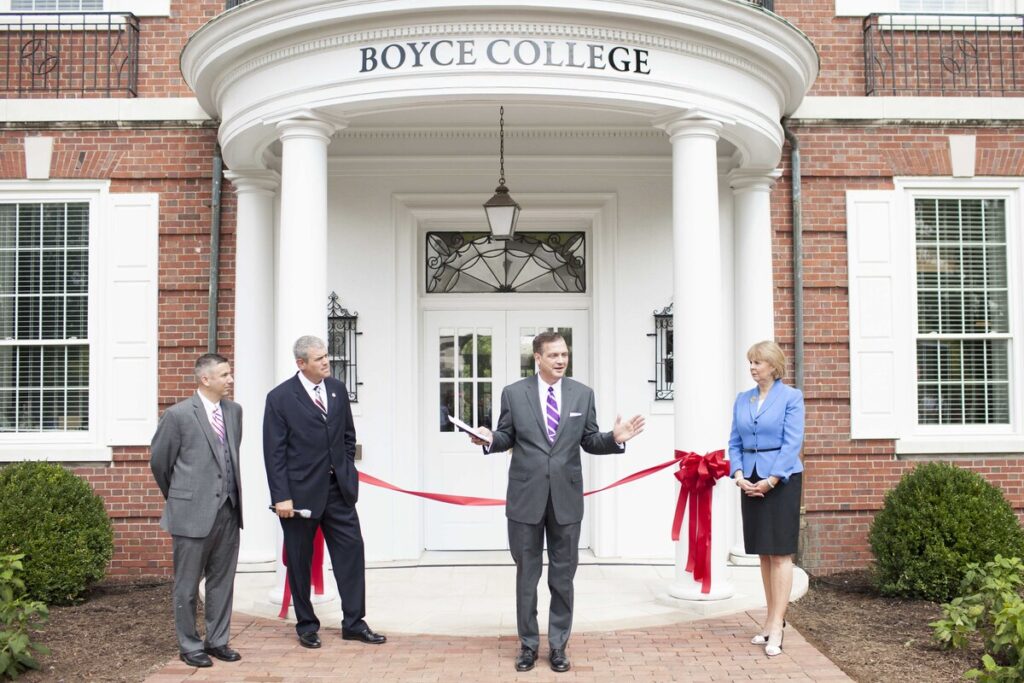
697	475
316	572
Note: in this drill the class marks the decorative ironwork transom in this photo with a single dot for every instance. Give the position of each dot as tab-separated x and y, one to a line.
663	361
535	262
341	345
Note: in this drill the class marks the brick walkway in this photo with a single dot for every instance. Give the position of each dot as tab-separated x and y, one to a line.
709	650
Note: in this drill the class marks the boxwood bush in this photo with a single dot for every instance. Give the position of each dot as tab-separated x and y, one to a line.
59	524
935	522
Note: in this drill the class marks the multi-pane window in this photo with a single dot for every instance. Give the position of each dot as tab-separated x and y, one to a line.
44	326
965	6
56	5
963	325
466	378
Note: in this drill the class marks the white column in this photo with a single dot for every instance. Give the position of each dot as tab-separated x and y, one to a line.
302	240
301	292
754	287
254	357
702	401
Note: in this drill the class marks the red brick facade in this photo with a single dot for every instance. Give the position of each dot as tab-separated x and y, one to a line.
845	480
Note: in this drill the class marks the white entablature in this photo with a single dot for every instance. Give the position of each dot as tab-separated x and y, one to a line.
348	63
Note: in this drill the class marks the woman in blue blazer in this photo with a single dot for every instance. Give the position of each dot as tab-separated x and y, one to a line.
764	460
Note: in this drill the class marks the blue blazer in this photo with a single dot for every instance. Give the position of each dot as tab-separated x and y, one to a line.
778	425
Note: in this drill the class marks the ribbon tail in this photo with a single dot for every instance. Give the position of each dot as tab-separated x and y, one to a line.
317	571
677	521
691	551
286	598
704	542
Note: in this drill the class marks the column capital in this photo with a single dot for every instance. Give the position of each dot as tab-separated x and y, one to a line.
691	124
254	181
753	179
306	124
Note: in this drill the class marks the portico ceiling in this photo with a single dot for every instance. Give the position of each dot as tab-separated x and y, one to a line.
589	69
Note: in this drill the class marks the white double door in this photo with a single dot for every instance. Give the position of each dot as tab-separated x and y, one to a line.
468	358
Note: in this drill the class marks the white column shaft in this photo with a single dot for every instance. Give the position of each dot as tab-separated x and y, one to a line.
701	400
754	287
302	239
254	357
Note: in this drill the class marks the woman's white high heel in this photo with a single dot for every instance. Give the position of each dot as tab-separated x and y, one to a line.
775	650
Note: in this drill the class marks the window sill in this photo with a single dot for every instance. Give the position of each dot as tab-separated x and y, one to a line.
963	446
11	452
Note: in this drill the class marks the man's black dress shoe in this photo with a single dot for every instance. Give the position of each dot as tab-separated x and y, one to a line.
365	636
559	662
197	658
310	640
526	659
223	653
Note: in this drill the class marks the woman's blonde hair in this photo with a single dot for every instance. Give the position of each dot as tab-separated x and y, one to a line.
769	352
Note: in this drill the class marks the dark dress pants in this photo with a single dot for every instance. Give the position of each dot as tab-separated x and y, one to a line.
344	538
526	542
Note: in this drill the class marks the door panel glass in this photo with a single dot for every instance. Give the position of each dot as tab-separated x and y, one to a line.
446	350
465	369
447	406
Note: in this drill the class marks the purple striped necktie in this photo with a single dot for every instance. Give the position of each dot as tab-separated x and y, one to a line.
218	424
551	413
317	400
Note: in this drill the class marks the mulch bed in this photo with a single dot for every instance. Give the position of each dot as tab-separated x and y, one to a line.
125	631
874	638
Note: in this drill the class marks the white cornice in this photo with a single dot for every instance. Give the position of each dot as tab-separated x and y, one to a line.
522	132
146	109
903	109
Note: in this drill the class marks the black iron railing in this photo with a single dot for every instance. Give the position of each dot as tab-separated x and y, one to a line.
944	54
70	54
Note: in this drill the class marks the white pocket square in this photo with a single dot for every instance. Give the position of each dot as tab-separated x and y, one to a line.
575	414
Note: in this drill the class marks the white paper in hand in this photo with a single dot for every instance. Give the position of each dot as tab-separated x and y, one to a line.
469	430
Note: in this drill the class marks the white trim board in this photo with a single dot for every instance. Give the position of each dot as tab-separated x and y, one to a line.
912	108
140	8
862	8
102	109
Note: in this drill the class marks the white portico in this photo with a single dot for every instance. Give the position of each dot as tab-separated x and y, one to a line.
353	129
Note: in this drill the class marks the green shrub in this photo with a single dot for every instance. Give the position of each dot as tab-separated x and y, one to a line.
18	614
934	523
990	605
56	521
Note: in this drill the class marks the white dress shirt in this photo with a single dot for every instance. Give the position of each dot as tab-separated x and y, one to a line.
308	386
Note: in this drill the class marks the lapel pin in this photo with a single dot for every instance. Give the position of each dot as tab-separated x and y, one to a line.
334	395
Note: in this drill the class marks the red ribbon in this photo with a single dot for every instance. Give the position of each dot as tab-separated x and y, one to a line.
714	463
316	572
697	475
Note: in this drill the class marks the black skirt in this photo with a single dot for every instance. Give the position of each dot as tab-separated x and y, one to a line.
771	525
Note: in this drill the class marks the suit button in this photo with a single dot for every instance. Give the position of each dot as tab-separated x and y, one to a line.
547	476
218	476
217	494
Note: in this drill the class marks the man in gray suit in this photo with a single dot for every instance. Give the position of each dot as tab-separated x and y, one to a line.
194	458
545	420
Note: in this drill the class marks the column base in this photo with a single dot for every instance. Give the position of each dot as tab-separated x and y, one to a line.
255	566
690	590
741	558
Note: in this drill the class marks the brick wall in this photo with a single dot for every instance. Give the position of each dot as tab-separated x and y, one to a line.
846	480
176	163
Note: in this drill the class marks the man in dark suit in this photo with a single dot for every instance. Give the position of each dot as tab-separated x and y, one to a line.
545	420
309	446
194	458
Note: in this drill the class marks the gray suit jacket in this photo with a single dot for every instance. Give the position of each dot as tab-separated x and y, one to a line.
540	468
188	465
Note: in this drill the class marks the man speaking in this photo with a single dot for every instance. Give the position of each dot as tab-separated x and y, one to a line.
545	420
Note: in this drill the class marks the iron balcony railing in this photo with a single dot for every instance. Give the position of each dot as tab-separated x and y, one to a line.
83	54
944	54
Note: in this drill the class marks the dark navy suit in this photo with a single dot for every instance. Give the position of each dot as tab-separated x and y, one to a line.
310	460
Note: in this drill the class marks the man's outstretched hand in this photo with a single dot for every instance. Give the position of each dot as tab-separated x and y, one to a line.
481	442
624	431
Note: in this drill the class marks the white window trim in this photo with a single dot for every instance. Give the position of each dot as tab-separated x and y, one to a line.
862	8
140	8
937	439
70	446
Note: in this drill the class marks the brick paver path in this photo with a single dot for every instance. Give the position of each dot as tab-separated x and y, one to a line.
709	650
